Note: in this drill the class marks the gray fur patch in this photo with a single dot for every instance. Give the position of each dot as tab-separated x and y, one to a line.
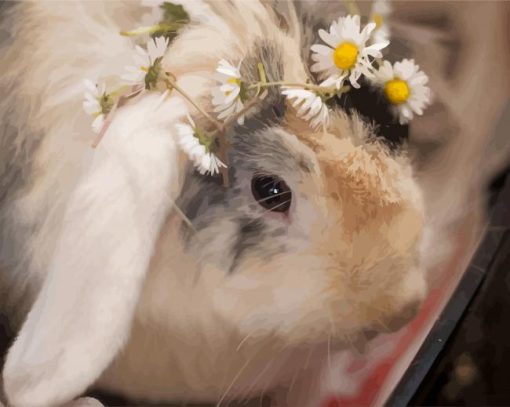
248	236
18	146
208	204
272	108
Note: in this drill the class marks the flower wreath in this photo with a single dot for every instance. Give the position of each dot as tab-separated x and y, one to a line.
350	52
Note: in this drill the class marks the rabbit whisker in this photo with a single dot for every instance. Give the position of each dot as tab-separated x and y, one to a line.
243	341
305	366
273	196
257	379
330	367
247	206
309	357
272	209
234	380
293	381
185	219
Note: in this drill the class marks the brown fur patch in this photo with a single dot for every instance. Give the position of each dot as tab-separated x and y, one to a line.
375	218
359	178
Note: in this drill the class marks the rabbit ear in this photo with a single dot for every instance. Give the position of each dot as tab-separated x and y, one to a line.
83	313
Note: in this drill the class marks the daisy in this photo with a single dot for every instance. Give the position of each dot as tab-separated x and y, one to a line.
147	65
310	105
405	87
97	103
229	95
346	53
381	9
197	147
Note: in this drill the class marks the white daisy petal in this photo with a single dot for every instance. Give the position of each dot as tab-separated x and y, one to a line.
141	56
226	96
334	80
365	33
160	45
152	50
313	109
308	104
319	67
304	105
205	163
382	7
239	107
91	107
97	124
92	99
330	39
189	141
144	59
228	72
381	10
381	34
90	87
378	45
321	49
224	112
228	69
197	151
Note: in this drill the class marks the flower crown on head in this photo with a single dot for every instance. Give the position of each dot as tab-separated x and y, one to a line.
349	52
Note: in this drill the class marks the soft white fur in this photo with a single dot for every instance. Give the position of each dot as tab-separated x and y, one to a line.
88	266
114	199
86	201
83	313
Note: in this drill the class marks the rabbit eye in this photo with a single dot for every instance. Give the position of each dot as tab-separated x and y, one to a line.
271	192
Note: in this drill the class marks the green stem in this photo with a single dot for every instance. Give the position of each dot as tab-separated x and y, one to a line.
162	27
220	127
316	88
262	72
119	91
171	84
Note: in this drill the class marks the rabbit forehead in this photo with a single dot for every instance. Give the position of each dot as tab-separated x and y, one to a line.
351	163
359	186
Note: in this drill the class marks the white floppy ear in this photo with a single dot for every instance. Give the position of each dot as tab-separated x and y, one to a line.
83	313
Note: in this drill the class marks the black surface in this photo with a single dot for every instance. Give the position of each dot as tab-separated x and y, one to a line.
465	360
370	103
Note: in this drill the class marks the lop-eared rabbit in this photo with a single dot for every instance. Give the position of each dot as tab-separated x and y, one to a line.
123	268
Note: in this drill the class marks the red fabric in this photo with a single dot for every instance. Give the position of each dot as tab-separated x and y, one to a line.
430	310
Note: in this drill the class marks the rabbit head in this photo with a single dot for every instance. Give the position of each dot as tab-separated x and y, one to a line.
316	236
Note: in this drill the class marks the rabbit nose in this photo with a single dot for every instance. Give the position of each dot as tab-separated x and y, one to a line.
403	316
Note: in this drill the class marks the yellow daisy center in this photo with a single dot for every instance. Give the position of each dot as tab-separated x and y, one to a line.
378	19
397	91
345	55
234	81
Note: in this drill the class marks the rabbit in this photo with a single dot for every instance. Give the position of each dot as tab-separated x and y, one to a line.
125	269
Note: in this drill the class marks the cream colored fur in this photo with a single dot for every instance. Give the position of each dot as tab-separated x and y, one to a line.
113	300
88	286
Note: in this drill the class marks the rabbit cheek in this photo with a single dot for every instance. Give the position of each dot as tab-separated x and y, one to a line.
376	280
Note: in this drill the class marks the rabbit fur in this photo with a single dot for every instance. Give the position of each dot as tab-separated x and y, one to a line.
106	285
